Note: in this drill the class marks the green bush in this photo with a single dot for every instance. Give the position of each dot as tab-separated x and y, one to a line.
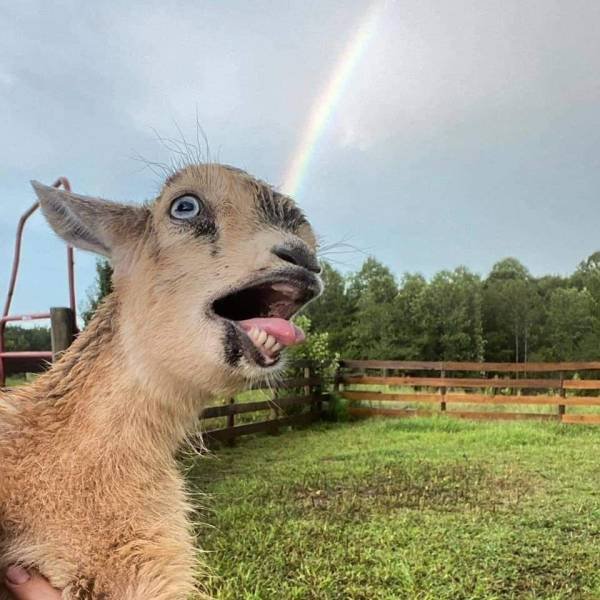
316	350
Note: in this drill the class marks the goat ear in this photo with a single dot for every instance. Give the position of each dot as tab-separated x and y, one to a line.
90	223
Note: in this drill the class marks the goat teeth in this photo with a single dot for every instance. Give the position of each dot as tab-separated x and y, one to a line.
253	333
286	289
262	336
276	347
269	342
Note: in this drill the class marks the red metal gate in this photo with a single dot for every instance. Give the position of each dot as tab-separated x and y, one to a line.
29	360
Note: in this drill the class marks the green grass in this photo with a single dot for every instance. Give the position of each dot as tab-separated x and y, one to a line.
405	508
20	379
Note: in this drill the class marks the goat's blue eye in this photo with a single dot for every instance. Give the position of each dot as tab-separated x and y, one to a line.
185	207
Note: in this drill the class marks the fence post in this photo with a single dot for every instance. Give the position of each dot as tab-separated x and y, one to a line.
62	330
337	379
307	373
274	414
443	392
231	424
315	392
561	407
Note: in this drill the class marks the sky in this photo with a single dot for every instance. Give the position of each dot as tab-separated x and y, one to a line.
463	131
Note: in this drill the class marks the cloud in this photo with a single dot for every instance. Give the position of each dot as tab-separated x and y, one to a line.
437	65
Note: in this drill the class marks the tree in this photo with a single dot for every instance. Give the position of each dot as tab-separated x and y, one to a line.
572	328
332	312
508	269
102	287
512	311
19	338
452	311
408	329
371	292
587	276
546	284
374	282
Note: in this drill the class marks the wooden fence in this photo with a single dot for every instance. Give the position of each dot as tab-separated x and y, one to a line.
396	386
302	406
546	391
452	385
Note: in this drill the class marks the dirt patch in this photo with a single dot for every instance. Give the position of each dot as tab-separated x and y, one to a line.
450	487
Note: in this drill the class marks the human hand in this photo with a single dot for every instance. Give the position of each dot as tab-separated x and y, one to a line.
25	585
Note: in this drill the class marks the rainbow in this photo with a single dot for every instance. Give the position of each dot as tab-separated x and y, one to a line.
327	101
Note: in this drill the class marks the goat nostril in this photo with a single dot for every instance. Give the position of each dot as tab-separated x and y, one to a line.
285	254
299	256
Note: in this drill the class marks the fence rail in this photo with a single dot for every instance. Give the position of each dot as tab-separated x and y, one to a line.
532	367
306	406
490	385
396	389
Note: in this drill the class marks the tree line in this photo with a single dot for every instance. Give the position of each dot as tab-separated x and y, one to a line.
509	315
27	338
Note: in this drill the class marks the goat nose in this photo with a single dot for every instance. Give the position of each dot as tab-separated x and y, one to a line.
297	255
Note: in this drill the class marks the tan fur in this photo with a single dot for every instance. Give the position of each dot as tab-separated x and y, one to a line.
90	492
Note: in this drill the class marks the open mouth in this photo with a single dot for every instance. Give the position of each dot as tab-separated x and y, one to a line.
261	314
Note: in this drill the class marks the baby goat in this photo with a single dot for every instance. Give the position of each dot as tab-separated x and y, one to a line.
206	279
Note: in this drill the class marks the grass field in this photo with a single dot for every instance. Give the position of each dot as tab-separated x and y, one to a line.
409	508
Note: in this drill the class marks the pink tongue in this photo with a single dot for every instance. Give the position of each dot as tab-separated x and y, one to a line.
286	333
